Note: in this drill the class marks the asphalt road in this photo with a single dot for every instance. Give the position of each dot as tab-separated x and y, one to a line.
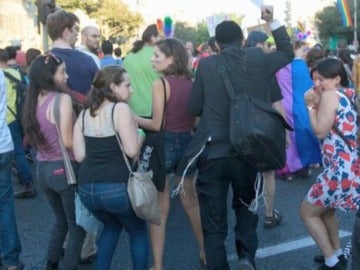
285	247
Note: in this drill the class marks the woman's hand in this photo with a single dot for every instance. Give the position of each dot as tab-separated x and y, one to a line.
312	98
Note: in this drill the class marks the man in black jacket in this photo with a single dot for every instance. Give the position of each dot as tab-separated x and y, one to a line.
219	165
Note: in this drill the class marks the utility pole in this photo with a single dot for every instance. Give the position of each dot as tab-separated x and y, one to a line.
288	14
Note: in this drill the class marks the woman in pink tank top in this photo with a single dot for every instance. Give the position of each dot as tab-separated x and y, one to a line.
47	75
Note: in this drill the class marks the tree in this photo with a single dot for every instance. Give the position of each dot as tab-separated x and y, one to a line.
329	25
116	20
197	34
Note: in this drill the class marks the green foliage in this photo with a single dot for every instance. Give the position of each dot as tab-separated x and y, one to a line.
115	18
329	25
196	34
199	33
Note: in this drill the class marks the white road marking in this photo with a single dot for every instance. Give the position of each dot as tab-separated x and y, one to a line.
286	247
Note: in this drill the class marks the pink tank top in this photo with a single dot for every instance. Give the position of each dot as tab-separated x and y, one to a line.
53	153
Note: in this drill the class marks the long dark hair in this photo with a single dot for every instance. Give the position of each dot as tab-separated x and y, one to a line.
150	31
101	90
175	48
41	76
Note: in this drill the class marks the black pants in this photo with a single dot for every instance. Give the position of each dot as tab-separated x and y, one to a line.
213	182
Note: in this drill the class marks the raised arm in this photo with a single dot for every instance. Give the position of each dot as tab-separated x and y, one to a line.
322	115
284	53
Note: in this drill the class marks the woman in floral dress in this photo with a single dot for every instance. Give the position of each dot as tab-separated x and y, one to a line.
333	119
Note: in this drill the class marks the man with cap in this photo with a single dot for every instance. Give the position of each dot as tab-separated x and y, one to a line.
258	39
219	165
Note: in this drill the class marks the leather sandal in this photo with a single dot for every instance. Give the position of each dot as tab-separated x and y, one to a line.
274	220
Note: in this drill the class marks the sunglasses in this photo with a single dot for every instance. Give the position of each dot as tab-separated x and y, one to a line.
53	56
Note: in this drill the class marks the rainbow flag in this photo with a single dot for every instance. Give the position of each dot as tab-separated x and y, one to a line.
345	13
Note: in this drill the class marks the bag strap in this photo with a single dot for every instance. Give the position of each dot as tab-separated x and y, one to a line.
164	110
11	111
11	77
228	86
65	154
119	141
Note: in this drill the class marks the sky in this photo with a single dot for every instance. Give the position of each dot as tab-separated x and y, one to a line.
194	11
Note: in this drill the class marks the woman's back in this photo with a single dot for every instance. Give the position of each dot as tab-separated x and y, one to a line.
177	116
48	129
103	161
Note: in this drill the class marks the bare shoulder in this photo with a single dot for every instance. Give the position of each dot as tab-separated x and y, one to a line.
122	108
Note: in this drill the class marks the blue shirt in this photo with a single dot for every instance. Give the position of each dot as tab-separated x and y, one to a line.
80	67
109	60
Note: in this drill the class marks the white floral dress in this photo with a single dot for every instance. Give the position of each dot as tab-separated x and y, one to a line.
338	186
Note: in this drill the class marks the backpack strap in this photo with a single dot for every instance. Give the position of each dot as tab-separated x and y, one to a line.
228	86
11	77
14	79
83	121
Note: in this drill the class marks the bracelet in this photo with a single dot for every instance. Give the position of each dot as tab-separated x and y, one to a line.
141	132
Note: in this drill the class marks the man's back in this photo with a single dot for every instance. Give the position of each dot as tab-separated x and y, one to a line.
80	67
249	71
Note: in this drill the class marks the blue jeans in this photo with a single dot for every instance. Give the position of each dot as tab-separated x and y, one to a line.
21	163
214	179
61	197
9	238
110	203
175	144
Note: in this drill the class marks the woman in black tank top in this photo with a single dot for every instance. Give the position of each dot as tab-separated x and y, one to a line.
103	174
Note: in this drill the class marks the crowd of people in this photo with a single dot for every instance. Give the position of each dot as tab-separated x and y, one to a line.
168	106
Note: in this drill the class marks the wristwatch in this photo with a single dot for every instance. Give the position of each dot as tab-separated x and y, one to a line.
310	108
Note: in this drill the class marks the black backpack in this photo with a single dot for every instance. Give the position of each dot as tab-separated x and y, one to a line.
257	131
20	87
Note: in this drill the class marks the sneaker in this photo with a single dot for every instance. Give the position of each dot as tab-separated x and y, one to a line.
337	266
320	259
245	264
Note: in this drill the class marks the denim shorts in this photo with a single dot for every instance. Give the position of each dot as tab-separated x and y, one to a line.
175	144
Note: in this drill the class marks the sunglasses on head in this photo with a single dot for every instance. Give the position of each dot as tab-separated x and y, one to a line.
53	56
